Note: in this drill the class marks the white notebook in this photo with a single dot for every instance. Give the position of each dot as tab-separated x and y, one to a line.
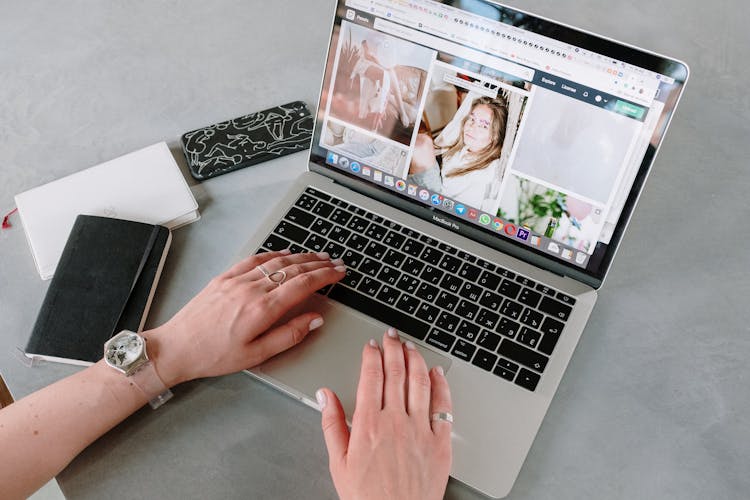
143	186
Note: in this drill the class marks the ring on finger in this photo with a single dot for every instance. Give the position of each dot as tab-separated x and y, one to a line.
442	416
277	277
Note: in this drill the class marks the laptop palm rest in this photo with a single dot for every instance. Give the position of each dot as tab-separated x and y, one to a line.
331	355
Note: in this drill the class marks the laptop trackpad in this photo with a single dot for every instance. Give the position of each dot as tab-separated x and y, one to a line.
331	356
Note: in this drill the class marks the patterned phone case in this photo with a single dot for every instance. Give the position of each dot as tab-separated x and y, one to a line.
248	140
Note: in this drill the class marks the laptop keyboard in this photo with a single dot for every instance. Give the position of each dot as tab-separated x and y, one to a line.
476	311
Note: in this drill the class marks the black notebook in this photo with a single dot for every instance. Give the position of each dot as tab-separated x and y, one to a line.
103	284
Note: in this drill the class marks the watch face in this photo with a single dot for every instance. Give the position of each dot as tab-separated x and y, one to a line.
124	350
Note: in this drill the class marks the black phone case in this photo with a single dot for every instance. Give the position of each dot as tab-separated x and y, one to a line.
241	142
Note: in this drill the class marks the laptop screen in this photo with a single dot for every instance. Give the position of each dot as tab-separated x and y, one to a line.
497	122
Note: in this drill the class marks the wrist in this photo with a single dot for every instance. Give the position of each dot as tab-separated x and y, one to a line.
164	360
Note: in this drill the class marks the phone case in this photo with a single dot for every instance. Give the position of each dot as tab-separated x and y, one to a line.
241	142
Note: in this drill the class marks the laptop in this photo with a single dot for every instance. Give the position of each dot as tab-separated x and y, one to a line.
476	167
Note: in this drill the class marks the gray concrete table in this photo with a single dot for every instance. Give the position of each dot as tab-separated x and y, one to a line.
655	401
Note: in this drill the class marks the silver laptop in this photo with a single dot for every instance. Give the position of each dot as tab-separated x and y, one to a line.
476	167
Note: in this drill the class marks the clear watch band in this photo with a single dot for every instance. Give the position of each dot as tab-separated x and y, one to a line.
149	382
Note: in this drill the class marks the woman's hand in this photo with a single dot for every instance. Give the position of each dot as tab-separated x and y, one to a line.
394	449
423	156
225	328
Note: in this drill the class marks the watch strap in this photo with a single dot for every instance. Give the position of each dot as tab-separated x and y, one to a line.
148	381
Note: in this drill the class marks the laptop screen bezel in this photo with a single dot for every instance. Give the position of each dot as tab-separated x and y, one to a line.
651	61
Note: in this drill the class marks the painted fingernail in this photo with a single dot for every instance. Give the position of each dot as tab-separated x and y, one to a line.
440	370
392	333
320	395
316	323
410	345
373	343
340	269
337	262
285	251
323	255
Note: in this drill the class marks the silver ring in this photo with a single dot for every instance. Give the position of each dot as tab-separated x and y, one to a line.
442	415
280	275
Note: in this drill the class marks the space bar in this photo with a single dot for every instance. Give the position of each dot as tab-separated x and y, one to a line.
380	311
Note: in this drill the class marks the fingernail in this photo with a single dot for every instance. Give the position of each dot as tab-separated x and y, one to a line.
392	333
338	262
320	395
410	345
440	370
323	255
316	323
285	251
340	269
373	343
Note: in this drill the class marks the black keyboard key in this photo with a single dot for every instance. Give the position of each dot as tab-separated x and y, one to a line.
451	283
352	258
488	340
318	194
315	243
489	280
427	292
394	239
369	266
392	225
467	310
491	300
440	339
550	338
339	234
487	319
525	281
306	201
507	327
471	291
389	275
323	209
275	243
321	226
523	355
447	248
427	240
427	312
431	255
376	250
340	216
412	266
358	211
503	373
357	242
509	289
394	258
531	318
408	284
505	273
292	232
376	232
469	272
552	326
447	321
446	300
450	263
389	295
486	265
566	298
527	379
463	350
334	250
299	217
545	290
369	286
511	309
352	278
381	312
466	257
410	233
508	365
432	275
358	224
484	359
529	297
528	337
468	331
413	247
556	309
295	248
408	304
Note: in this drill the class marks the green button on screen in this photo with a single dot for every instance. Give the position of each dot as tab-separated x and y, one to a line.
627	109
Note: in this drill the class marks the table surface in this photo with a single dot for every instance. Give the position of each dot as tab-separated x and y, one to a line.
654	403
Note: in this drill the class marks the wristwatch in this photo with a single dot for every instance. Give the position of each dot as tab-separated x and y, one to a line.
126	353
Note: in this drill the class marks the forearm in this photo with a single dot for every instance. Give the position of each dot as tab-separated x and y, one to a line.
43	432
